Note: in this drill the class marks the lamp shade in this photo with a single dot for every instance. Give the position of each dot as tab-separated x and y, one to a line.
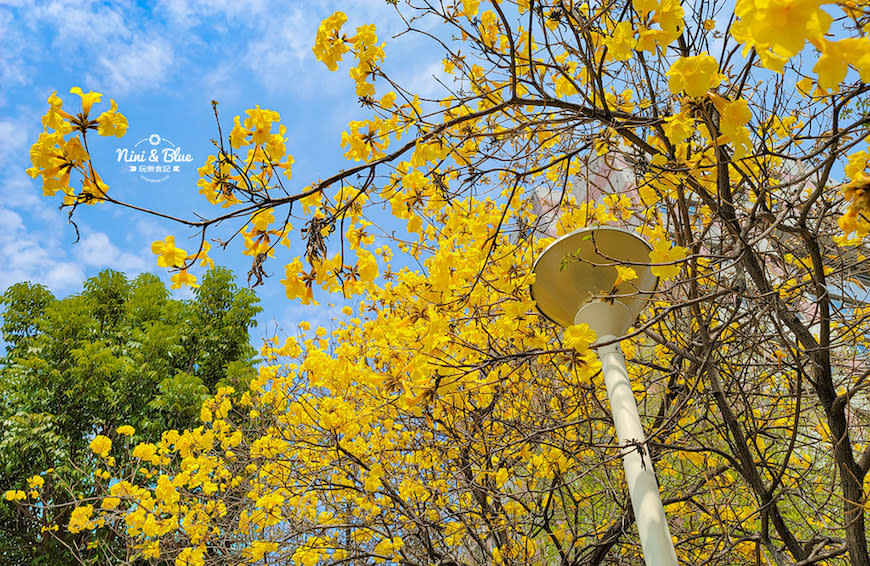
579	268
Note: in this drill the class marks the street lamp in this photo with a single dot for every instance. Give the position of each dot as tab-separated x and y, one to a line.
575	283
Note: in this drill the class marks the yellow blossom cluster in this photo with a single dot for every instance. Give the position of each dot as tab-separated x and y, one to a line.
170	256
348	410
779	30
60	152
228	177
330	46
857	192
441	418
694	75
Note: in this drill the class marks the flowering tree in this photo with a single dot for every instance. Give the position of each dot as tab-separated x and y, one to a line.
443	421
121	360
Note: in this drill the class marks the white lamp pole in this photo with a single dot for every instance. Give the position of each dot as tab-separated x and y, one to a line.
574	284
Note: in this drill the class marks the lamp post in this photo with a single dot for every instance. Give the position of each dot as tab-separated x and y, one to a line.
575	283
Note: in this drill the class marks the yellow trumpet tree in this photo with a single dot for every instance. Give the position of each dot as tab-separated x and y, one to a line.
443	421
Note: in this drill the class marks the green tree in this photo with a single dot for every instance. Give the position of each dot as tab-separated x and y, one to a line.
121	352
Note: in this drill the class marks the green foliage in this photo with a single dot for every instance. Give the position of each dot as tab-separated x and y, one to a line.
25	306
181	396
121	352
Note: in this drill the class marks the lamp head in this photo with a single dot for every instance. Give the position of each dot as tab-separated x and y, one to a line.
579	268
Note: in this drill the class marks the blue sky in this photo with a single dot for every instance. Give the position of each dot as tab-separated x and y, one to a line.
163	62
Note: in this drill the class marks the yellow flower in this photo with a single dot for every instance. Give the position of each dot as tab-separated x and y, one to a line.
663	253
621	42
205	414
14	495
694	75
387	547
238	136
259	549
56	118
126	430
202	256
670	17
183	278
644	7
93	190
836	58
489	27
564	86
262	219
778	30
190	557
857	163
165	491
169	255
259	123
151	549
624	274
328	45
296	283
650	39
501	477
470	7
388	100
270	501
678	127
578	337
87	99
733	119
80	518
112	123
35	482
101	445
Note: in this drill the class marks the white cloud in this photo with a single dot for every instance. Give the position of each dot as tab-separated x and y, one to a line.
122	47
78	23
13	140
268	41
11	221
424	82
19	191
97	250
147	230
143	64
64	276
188	12
32	256
128	55
222	84
13	69
280	54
